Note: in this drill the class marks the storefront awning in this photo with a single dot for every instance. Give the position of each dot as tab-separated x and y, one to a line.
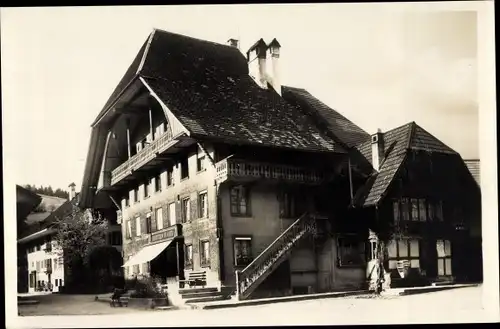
147	253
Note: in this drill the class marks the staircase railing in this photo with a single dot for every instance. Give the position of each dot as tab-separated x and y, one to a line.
251	276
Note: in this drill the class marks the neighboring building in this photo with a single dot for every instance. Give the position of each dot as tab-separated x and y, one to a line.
26	202
209	164
45	264
424	204
474	168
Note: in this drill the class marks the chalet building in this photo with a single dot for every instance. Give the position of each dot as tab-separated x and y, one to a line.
45	268
211	166
424	205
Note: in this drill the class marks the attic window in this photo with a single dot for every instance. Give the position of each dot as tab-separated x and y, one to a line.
374	138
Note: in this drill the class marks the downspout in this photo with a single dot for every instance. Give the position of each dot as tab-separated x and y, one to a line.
350	178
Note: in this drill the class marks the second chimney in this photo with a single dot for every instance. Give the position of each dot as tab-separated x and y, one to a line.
274	49
377	149
256	57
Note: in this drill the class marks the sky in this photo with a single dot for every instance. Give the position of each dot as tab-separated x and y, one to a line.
380	66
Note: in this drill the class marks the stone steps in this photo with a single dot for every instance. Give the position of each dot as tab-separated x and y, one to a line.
190	295
197	290
207	299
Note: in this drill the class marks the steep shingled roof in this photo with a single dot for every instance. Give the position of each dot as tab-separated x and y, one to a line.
207	87
397	143
345	130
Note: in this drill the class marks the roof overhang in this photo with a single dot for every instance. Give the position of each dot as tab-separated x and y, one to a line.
43	233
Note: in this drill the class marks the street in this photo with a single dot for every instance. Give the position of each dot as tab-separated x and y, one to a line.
457	305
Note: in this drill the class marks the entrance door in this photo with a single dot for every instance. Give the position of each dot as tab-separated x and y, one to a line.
171	213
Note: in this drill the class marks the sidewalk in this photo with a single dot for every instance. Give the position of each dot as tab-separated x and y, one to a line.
236	303
426	289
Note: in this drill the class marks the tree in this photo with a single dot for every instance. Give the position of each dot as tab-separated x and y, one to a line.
77	233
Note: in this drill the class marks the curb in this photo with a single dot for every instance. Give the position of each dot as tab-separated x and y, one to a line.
435	289
281	300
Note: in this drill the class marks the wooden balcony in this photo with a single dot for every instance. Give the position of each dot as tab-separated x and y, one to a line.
151	155
239	170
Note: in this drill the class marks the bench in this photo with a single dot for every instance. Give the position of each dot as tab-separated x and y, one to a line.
196	279
116	298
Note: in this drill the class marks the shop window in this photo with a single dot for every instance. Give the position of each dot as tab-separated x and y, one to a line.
351	251
444	257
405	249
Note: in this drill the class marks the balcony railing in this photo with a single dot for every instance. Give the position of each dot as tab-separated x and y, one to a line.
144	156
234	169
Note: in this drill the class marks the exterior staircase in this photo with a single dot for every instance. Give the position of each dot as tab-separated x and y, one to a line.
267	261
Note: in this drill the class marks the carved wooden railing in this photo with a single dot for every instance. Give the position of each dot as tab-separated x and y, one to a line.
145	155
237	168
267	261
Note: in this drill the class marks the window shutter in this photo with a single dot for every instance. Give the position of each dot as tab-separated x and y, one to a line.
178	211
153	222
143	225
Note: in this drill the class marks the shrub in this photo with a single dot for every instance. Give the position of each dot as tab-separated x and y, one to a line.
147	287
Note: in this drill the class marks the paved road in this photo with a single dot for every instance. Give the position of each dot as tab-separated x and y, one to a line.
458	305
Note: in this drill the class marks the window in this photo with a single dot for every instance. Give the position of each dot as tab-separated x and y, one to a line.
138	226
136	194
414	209
351	251
38	247
159	218
188	256
146	188
240	201
430	211
138	147
170	176
288	205
405	211
396	210
38	266
438	213
204	253
444	257
127	201
406	249
242	251
128	232
203	205
135	269
422	210
185	210
57	282
184	168
200	161
171	214
158	183
148	223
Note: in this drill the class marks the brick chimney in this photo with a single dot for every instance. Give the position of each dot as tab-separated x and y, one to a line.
274	50
72	192
234	43
377	149
257	64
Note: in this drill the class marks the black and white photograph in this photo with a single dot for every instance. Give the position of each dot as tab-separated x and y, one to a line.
250	164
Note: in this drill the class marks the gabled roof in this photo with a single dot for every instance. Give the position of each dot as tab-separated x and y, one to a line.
207	88
396	142
26	201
